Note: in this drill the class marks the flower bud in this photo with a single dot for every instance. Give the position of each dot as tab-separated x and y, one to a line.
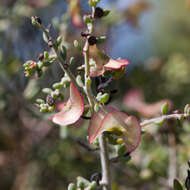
119	141
36	21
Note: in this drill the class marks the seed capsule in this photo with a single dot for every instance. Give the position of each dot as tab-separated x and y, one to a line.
50	100
92	40
99	12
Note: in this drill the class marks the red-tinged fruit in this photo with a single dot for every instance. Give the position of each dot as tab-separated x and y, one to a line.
113	120
71	110
101	62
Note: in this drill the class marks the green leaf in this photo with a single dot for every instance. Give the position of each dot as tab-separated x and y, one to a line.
45	37
177	185
164	108
106	12
58	41
63	52
79	81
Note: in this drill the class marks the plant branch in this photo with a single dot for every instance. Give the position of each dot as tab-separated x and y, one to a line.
106	177
164	117
64	66
87	87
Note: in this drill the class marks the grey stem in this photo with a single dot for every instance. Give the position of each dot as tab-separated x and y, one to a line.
106	177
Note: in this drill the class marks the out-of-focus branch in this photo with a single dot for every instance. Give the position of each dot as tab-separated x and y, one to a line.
164	117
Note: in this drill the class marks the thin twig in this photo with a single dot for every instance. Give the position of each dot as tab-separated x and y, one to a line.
106	177
62	64
164	117
82	144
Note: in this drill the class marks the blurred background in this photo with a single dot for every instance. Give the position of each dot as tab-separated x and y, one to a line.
153	35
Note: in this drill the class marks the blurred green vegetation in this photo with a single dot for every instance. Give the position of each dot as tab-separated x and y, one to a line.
37	155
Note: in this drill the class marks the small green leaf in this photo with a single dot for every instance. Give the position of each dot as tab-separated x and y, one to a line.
63	52
57	85
164	108
72	60
101	39
46	55
177	185
103	98
46	90
121	149
96	107
79	81
106	12
45	37
40	101
58	41
187	109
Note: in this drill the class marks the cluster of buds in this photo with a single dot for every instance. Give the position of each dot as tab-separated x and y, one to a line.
52	95
44	60
30	67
